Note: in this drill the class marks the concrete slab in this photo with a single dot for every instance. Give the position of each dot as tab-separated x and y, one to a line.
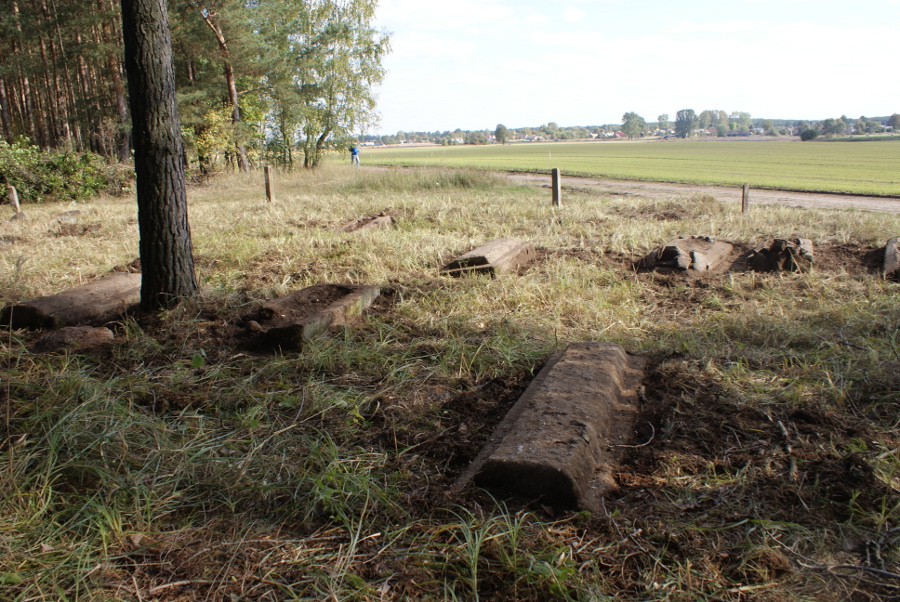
369	223
892	259
495	257
77	338
288	322
93	301
692	254
783	255
556	444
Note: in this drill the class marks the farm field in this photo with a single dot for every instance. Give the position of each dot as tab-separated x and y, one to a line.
868	168
177	464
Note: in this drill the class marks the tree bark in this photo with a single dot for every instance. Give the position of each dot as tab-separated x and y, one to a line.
166	253
113	64
231	84
5	124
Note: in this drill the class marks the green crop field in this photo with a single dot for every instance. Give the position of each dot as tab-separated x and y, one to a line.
848	167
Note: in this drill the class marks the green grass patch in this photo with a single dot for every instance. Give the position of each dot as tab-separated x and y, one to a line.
838	166
177	465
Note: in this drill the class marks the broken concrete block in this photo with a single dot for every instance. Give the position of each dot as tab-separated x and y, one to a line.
95	300
557	443
289	321
794	255
77	338
498	256
892	259
368	223
697	254
67	217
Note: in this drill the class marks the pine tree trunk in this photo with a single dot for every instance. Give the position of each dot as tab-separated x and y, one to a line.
5	125
166	253
124	146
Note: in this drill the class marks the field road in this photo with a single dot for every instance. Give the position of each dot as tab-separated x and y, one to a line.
637	189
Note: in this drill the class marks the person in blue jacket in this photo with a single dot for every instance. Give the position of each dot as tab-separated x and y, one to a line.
354	156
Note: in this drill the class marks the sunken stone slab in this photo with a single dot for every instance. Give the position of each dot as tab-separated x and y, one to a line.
892	259
784	255
495	257
95	300
556	444
288	322
368	223
693	254
77	338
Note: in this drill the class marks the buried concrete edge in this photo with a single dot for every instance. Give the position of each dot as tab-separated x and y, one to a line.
559	443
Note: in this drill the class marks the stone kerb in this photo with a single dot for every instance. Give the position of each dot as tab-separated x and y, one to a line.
783	255
97	299
691	254
288	322
892	259
369	223
557	443
495	257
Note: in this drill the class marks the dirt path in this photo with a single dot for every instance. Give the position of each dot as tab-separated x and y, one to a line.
764	197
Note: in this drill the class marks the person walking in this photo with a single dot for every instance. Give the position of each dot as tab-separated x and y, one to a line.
354	156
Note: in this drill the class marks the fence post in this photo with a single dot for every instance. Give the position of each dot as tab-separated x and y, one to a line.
270	194
745	199
557	188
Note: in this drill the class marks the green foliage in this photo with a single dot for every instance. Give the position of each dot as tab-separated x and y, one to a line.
809	134
58	176
633	124
501	134
686	122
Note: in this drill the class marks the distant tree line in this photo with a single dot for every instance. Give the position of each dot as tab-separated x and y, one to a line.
263	80
687	124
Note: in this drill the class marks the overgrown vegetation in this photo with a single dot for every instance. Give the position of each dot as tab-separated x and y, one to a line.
59	175
179	466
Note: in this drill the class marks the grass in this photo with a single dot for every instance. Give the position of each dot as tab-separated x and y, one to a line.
835	166
143	472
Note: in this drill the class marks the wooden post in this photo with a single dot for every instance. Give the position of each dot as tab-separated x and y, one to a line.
745	199
270	194
13	197
557	196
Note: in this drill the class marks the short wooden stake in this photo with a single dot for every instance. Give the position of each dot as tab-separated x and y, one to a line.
745	199
13	197
270	193
557	189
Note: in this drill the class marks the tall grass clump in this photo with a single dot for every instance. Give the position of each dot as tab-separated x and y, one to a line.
428	179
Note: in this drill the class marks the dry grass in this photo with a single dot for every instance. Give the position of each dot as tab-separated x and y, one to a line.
133	474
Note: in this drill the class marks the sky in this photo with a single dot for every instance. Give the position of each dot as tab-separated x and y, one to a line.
473	64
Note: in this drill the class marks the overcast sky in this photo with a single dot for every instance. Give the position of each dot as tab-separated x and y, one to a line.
472	64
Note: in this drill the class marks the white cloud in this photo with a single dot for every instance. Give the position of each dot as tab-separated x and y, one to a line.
573	14
418	45
524	68
537	19
441	15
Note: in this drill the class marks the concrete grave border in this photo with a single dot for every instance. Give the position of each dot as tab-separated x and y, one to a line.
110	295
495	257
338	313
559	442
688	254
